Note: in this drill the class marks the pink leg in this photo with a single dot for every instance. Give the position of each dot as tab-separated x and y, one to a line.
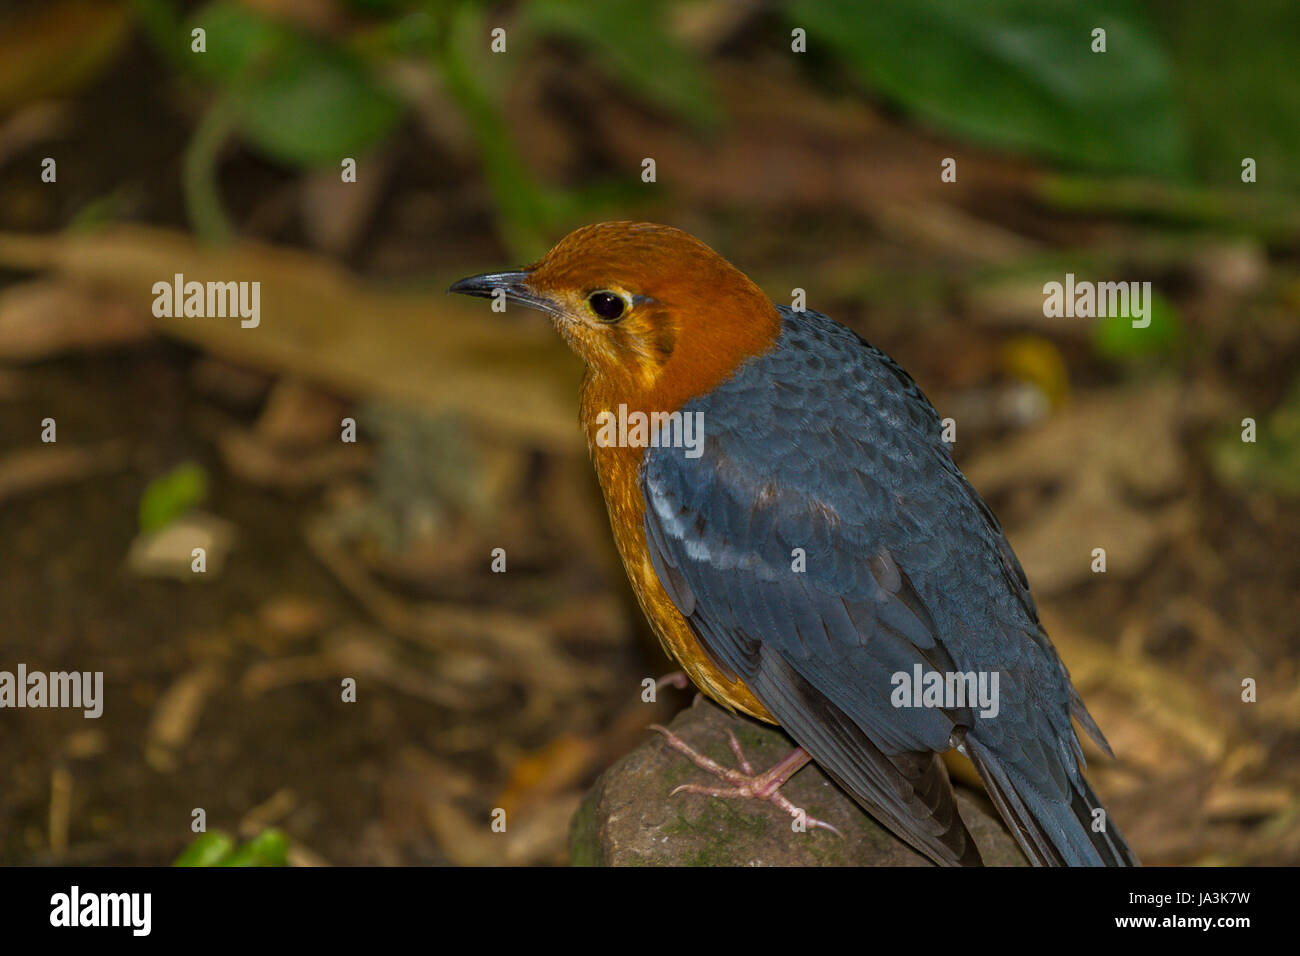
676	679
745	782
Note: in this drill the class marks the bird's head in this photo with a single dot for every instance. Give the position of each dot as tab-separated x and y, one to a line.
656	314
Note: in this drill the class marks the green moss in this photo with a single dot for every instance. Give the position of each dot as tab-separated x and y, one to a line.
584	840
714	835
679	772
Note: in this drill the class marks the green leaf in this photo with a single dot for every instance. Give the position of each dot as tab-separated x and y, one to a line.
208	849
169	496
631	41
300	100
1236	73
1114	336
268	848
1016	73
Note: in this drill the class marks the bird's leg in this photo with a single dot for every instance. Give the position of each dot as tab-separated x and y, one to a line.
676	679
746	783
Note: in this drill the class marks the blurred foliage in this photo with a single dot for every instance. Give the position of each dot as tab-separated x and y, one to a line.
1238	85
1272	463
1182	93
1267	214
646	57
171	495
1017	73
299	99
1115	337
1036	359
524	208
216	848
81	37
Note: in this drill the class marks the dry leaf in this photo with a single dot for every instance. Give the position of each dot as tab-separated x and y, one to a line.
49	465
46	317
1114	467
177	713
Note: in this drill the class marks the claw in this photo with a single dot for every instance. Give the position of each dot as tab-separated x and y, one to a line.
746	784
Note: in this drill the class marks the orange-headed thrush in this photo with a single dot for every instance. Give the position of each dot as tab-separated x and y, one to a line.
814	549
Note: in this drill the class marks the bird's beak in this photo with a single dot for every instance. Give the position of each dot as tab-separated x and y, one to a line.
513	284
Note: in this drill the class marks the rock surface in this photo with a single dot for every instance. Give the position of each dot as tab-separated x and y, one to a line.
630	817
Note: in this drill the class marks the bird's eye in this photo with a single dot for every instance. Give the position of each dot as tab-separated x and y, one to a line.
606	305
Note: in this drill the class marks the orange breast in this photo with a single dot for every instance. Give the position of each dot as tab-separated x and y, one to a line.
616	468
702	351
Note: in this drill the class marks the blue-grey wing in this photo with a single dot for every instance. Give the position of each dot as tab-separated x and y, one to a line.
819	546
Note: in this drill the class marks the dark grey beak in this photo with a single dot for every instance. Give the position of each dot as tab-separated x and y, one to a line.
511	284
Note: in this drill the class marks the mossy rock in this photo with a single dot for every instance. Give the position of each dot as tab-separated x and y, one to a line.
631	818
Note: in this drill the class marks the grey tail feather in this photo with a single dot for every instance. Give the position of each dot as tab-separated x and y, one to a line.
1110	843
970	853
1049	832
1080	713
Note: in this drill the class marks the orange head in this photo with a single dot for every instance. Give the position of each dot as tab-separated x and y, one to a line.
657	315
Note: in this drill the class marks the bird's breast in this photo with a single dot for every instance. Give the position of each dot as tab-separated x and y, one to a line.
618	472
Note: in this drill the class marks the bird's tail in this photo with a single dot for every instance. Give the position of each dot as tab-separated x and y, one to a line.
1061	828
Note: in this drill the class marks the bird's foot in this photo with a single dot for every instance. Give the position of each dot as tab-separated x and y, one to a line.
746	783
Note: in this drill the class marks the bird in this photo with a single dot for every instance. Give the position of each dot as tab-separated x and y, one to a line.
802	544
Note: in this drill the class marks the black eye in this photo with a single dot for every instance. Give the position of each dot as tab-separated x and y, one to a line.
607	305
